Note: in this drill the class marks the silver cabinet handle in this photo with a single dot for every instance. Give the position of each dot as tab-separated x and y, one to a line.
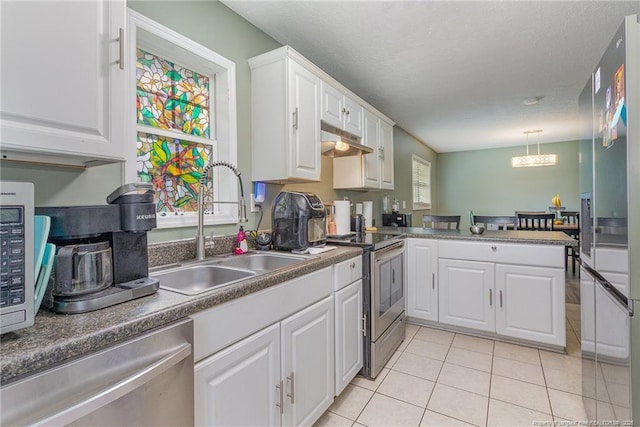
121	48
490	297
364	325
500	299
280	402
352	265
292	394
295	119
433	280
393	276
119	389
494	248
381	152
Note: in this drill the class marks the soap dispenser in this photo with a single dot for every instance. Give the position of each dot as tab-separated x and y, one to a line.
242	247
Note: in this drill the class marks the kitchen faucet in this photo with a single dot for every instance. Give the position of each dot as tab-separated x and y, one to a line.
242	208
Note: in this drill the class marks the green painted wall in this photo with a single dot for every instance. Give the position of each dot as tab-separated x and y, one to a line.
485	182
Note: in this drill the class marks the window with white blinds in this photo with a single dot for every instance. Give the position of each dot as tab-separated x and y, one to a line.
421	183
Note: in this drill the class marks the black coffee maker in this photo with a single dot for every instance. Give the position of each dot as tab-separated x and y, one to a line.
102	251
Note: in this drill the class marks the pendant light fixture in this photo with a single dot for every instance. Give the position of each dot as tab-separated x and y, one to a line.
534	159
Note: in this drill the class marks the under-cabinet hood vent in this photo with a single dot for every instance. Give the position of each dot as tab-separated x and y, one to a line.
338	143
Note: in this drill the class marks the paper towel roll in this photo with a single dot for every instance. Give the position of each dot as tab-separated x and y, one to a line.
342	216
359	208
367	211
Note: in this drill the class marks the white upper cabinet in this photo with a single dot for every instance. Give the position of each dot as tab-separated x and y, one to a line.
285	118
340	111
386	159
370	171
290	96
63	81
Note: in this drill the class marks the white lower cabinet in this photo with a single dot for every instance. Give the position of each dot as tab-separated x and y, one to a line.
307	364
347	283
466	294
513	290
240	377
422	279
530	303
348	310
281	375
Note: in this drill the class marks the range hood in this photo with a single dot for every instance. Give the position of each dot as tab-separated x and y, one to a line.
338	143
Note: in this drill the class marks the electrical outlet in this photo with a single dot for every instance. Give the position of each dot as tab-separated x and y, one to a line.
253	206
404	204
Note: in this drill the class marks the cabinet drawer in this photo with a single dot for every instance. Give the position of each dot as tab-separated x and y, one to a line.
612	259
347	272
507	253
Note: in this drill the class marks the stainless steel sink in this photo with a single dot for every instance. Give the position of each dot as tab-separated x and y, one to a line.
261	262
196	279
212	273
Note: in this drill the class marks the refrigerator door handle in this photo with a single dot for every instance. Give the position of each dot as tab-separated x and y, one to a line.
611	290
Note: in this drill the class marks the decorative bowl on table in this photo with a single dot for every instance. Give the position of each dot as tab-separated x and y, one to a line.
476	229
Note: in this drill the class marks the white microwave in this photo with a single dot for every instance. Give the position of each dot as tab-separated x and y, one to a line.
17	271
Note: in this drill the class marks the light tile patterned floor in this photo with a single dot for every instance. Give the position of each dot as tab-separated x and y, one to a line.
440	378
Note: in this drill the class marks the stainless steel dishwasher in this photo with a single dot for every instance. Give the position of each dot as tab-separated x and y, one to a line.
146	381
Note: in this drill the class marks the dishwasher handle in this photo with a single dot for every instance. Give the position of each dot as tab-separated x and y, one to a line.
117	390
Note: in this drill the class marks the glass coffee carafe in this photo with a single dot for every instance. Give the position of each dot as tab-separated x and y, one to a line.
83	268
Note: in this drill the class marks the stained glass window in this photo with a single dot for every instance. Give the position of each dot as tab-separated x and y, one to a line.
175	99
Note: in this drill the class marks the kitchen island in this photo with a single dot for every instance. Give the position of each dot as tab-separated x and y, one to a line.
507	285
509	236
56	338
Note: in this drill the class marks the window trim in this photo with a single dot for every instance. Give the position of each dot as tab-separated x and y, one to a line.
420	205
224	139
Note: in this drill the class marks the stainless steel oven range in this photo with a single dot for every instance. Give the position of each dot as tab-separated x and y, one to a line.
383	295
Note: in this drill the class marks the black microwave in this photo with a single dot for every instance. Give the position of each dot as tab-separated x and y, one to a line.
396	219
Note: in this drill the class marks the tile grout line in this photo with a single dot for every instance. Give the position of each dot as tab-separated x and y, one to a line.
435	383
493	355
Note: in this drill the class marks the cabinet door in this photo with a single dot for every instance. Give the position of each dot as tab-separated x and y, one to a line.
371	162
422	279
348	334
308	363
386	142
465	294
63	91
353	116
332	106
245	375
530	303
304	149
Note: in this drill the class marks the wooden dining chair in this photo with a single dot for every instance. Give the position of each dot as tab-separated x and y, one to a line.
571	217
535	221
497	222
441	221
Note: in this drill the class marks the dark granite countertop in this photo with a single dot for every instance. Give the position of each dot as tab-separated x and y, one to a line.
56	338
518	236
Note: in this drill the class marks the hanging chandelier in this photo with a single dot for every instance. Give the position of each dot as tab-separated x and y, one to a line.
534	159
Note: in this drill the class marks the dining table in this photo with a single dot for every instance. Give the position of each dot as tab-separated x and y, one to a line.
571	229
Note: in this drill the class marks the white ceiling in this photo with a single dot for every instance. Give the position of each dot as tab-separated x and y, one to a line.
454	74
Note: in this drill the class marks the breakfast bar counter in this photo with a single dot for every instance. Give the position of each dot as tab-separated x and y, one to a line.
508	236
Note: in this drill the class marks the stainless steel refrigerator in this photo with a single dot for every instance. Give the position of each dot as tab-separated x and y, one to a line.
610	232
